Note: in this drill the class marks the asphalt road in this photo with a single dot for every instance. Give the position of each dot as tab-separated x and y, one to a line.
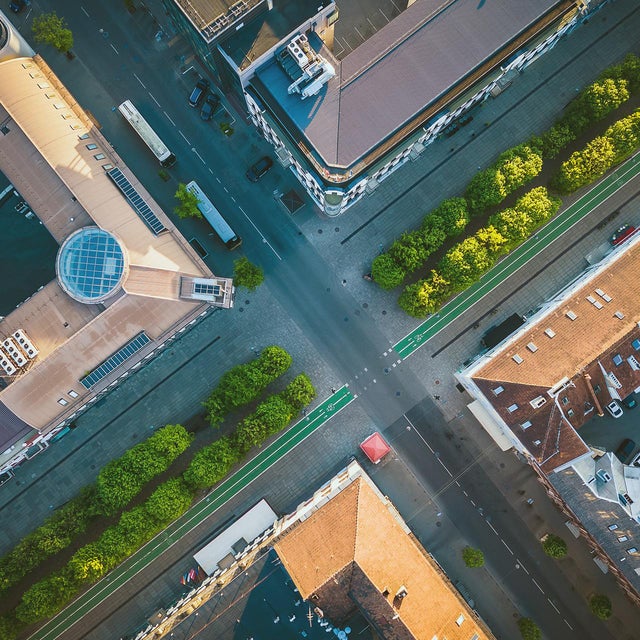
124	65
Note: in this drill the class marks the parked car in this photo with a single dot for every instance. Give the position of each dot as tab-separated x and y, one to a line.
198	93
630	401
622	233
614	409
5	476
257	170
17	5
626	448
209	107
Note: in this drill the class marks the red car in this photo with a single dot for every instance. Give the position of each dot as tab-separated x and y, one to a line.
622	234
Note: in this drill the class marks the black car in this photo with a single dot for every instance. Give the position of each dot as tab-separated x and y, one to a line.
198	92
257	170
626	448
630	401
209	107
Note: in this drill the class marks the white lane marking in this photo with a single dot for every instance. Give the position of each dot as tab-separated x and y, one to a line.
114	49
522	566
537	585
153	98
264	240
472	502
85	12
225	189
218	179
568	625
185	137
492	528
232	198
553	605
413	426
507	546
138	79
169	118
465	493
444	466
199	156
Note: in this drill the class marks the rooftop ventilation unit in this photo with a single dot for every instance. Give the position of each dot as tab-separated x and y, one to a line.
6	364
536	403
25	344
603	475
14	352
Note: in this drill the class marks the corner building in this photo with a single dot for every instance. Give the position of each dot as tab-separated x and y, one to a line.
343	126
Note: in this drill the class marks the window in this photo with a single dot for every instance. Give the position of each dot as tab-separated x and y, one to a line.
517	359
537	443
99	156
632	550
72	393
512	408
62	401
612	527
636	345
92	146
596	388
526	424
550	332
571	315
622	538
532	347
497	391
460	620
565	400
107	167
84	136
617	359
570	413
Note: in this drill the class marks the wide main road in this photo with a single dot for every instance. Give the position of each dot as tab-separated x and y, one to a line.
521	256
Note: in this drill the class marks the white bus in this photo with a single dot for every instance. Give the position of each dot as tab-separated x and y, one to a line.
148	135
214	218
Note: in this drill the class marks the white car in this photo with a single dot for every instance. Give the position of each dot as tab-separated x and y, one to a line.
614	409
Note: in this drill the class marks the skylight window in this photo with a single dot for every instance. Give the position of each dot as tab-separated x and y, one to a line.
571	315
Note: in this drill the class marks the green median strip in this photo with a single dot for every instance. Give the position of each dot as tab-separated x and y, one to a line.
253	469
519	257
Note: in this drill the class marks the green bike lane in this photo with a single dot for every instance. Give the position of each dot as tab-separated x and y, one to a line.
229	487
519	257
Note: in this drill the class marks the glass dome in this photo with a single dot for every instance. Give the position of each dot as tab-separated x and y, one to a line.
91	265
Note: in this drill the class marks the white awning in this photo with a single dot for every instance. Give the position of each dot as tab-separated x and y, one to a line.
490	425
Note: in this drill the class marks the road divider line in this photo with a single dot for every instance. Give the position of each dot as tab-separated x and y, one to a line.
522	566
507	546
169	118
116	51
493	529
568	625
185	137
537	585
138	79
553	605
154	99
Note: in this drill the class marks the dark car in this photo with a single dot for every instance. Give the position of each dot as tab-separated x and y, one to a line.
209	107
626	448
630	401
5	476
198	92
17	5
257	170
621	234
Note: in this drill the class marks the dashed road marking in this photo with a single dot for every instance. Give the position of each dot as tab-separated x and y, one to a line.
153	98
553	605
537	585
185	137
507	546
169	118
114	48
138	79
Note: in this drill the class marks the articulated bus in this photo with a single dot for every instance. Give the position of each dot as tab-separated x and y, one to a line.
148	135
214	218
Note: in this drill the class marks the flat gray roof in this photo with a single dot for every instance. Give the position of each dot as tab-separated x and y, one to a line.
400	70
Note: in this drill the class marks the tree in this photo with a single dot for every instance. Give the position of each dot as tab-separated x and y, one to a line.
299	392
486	189
600	606
585	166
424	297
246	274
602	97
554	546
386	272
45	598
169	501
211	464
188	203
409	251
529	630
473	558
518	166
48	28
453	215
273	361
87	564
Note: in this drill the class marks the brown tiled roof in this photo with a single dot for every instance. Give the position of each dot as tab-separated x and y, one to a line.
356	527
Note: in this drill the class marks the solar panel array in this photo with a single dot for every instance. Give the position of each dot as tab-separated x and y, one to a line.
136	201
114	361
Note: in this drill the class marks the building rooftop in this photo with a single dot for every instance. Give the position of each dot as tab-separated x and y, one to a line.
356	550
117	278
394	76
568	362
265	31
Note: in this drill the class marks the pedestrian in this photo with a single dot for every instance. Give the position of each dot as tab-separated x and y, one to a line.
437	397
304	412
333	390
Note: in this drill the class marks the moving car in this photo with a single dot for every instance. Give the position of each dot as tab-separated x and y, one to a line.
17	5
198	92
209	107
614	409
626	448
622	233
257	170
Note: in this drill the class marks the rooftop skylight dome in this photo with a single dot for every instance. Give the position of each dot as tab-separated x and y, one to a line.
91	265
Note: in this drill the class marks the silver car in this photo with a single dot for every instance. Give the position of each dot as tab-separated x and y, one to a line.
614	409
